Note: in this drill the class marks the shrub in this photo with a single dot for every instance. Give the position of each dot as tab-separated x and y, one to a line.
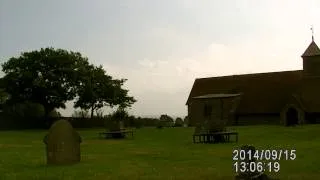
178	122
166	121
186	120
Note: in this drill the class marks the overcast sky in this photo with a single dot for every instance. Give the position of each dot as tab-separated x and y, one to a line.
162	46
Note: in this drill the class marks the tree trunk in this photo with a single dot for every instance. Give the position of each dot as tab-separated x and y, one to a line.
92	109
47	120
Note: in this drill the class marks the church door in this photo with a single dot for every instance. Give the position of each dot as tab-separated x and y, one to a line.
291	117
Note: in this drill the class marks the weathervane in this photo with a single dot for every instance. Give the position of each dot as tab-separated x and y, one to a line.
312	32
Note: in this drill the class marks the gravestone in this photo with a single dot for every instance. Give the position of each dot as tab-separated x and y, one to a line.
251	175
62	144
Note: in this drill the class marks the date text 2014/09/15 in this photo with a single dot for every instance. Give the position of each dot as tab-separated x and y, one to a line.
240	154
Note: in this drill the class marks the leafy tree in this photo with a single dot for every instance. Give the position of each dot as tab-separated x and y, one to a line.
54	114
151	121
186	120
120	95
116	120
4	96
166	120
120	114
93	88
178	122
138	122
99	113
129	122
80	114
97	89
47	76
25	110
23	115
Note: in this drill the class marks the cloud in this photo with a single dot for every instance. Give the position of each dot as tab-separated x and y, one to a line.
146	63
162	48
164	85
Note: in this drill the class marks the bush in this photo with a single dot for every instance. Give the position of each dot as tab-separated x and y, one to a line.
186	120
178	122
116	120
54	114
166	121
23	115
25	109
138	122
160	124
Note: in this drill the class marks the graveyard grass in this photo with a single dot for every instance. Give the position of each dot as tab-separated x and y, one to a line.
158	154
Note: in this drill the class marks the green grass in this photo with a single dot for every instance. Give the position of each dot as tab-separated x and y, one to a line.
158	154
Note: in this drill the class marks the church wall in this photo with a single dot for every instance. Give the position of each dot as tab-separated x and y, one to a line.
256	119
196	116
196	111
311	66
312	118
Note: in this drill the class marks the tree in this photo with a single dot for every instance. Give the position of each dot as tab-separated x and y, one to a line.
97	89
99	113
129	122
25	110
120	114
47	76
120	95
23	115
186	120
166	120
4	96
54	114
178	122
80	114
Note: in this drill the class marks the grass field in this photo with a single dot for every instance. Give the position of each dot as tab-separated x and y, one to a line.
159	154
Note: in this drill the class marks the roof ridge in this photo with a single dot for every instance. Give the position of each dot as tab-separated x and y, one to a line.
312	50
262	73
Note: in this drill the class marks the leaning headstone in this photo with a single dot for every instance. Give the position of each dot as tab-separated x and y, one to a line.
251	175
62	144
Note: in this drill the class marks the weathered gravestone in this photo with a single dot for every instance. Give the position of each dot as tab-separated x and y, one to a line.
62	144
251	175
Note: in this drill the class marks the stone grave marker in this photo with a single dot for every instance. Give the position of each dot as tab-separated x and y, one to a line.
62	144
251	175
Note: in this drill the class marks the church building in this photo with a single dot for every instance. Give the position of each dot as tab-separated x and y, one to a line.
287	97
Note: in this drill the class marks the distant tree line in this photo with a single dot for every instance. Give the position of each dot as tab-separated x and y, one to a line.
127	120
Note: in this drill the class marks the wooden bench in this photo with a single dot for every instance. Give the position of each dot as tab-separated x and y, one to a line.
213	137
112	134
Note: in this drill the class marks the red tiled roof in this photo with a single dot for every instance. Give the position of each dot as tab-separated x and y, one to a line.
262	92
312	50
216	96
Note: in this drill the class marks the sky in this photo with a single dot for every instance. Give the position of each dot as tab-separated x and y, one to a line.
161	47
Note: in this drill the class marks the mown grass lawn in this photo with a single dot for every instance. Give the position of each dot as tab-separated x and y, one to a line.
159	154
